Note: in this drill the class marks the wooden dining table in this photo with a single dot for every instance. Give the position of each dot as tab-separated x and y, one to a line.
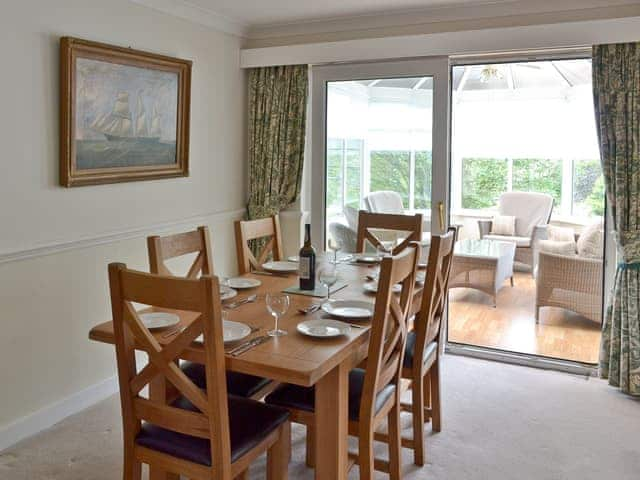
294	358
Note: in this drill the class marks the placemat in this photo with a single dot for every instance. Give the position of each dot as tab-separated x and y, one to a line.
320	290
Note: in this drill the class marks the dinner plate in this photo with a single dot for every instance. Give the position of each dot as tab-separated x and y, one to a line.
366	258
231	331
154	320
323	328
240	283
280	266
227	292
357	309
372	287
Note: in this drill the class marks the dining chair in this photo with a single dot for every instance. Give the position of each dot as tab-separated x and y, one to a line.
199	434
374	392
375	228
423	342
264	228
160	250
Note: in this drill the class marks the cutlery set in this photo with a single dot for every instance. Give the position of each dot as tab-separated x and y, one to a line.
249	299
248	345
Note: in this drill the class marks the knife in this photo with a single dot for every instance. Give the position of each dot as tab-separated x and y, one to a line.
243	344
254	343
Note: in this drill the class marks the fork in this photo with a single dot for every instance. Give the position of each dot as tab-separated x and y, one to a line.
310	309
249	299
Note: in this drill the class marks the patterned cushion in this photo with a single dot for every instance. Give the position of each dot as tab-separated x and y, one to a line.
591	241
560	234
503	225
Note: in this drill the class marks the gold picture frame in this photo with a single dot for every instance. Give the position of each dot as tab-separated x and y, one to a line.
124	114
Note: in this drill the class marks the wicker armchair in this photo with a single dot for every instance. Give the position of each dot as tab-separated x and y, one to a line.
570	282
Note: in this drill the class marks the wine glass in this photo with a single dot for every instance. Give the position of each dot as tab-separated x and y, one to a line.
277	305
328	276
335	246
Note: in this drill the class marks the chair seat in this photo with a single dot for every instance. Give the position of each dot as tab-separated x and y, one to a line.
239	384
430	350
303	398
519	241
250	422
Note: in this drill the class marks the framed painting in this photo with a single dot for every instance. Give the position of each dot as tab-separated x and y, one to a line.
124	114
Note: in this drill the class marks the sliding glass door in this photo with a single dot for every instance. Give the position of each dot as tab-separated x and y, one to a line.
379	127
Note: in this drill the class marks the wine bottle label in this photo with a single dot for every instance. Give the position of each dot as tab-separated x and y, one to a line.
305	268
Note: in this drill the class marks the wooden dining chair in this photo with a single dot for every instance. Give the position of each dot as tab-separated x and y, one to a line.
160	250
267	229
371	223
198	241
424	341
200	434
374	392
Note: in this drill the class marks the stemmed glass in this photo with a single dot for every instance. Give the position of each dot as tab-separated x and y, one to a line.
278	305
328	276
335	246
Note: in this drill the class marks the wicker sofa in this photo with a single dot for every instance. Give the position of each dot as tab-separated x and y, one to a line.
572	282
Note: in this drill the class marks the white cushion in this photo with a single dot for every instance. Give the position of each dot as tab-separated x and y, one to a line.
561	234
384	201
351	215
530	209
591	241
519	241
557	247
503	225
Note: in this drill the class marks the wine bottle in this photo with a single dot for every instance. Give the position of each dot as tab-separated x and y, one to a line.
307	269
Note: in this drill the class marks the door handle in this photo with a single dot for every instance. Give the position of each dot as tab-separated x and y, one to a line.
441	215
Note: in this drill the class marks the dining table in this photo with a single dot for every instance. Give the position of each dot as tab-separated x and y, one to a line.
293	358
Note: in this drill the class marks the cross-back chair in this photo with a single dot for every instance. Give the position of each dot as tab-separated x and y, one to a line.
374	392
424	343
160	250
198	241
264	228
200	434
369	223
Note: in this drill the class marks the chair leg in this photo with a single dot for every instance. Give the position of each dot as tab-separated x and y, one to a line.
393	422
132	468
436	413
426	385
417	403
278	455
311	447
243	476
365	453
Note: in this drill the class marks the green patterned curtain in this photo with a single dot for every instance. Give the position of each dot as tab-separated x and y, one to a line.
277	120
616	87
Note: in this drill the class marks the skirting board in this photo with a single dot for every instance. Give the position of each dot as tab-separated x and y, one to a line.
50	415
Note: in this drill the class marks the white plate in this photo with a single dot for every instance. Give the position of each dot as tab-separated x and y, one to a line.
232	331
153	320
294	258
366	258
323	328
348	308
227	292
241	282
280	266
373	287
420	276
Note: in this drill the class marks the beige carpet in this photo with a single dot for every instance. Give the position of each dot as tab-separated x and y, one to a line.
500	422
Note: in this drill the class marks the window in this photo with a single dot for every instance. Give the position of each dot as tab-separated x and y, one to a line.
344	166
390	171
483	180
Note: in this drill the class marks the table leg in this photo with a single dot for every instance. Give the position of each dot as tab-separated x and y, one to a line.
158	392
332	416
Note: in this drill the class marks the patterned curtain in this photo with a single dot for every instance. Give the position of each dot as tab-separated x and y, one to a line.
277	120
616	87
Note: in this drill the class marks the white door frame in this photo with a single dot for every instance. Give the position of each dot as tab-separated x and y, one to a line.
436	67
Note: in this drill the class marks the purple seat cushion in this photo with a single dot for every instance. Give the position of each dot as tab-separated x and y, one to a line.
431	349
239	384
250	422
303	398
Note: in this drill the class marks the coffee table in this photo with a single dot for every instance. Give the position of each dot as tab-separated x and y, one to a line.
482	265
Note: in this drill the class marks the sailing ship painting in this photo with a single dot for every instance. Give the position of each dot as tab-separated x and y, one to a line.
126	115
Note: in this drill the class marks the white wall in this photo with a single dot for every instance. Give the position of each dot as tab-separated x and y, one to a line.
49	301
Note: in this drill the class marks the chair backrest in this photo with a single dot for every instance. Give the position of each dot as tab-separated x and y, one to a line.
428	321
529	208
388	336
371	223
265	229
384	201
201	296
161	249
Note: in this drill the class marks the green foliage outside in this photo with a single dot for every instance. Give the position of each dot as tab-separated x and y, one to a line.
588	186
483	180
353	154
390	171
423	180
538	175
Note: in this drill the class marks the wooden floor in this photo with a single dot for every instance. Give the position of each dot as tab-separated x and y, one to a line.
511	325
